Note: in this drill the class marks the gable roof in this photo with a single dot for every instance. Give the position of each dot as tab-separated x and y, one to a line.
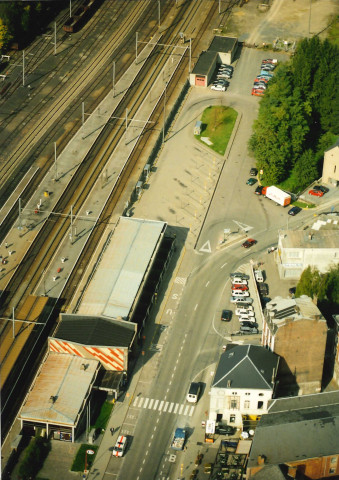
293	433
246	366
95	331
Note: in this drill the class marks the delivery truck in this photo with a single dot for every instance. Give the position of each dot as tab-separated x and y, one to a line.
178	439
277	195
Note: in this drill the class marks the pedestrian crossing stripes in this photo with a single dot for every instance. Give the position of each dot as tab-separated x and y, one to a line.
163	406
180	280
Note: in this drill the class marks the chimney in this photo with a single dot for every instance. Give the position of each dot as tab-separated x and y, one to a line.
261	459
292	472
310	236
52	399
83	366
228	383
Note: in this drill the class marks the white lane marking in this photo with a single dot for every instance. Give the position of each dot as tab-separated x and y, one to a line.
186	410
152	436
144	460
135	402
171	407
155	404
222	266
174	369
176	408
206	247
170	383
165	407
207	283
146	402
191	411
140	403
161	404
158	420
150	443
150	403
181	409
196	307
146	453
154	429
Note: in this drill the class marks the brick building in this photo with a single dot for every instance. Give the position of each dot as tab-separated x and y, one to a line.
296	330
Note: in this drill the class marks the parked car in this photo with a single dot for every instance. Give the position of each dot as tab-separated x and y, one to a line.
240	275
241	300
120	446
292	291
262	78
253	172
226	315
248	323
251	181
224	65
258	276
258	92
263	288
238	286
260	84
193	392
219	88
258	190
240	293
270	60
248	329
225	430
246	318
239	281
244	311
267	67
249	243
227	75
294	210
321	189
315	193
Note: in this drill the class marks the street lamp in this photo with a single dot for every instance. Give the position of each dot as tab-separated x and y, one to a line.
88	452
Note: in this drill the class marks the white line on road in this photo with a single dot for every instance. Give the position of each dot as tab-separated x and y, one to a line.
171	407
176	408
151	403
170	383
140	403
158	420
155	404
165	407
207	283
222	266
174	369
144	460
152	436
150	443
186	410
181	409
161	404
146	453
154	429
191	411
146	402
196	307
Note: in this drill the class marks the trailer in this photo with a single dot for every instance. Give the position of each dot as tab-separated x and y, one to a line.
178	439
279	196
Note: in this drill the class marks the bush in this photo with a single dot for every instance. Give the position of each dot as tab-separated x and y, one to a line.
34	458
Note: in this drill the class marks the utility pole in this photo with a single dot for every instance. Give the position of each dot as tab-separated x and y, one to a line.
136	47
83	113
190	59
113	79
159	13
70	8
55	163
55	38
23	68
163	127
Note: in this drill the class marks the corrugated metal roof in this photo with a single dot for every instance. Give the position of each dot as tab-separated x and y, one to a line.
122	268
95	331
61	377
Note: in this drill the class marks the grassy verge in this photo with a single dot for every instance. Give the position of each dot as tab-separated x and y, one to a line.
300	204
79	461
104	415
218	123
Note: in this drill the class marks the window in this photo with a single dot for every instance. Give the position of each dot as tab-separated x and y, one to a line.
234	403
246	404
293	254
333	460
232	418
260	405
247	393
332	470
234	393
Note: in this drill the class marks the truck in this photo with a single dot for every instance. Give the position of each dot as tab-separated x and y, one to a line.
178	439
279	196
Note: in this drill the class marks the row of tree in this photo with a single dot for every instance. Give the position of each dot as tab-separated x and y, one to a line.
298	116
20	21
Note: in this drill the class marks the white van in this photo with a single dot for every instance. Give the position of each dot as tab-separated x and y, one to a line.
244	311
258	276
198	127
240	293
241	300
193	392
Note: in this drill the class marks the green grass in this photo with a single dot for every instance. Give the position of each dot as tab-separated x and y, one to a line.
300	204
104	415
218	123
79	461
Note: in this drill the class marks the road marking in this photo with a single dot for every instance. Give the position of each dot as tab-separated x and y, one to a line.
155	404
186	410
191	411
161	404
180	280
207	283
150	443
243	226
146	453
165	407
181	409
140	403
151	403
146	402
206	248
174	369
222	266
171	407
176	408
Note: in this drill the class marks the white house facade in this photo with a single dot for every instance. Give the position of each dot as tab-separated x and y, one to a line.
243	385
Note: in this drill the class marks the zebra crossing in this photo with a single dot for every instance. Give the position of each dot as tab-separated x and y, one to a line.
163	406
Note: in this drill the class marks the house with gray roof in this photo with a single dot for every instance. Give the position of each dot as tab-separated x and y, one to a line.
301	433
243	384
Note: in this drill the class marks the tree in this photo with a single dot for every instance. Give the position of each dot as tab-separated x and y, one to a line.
5	36
311	283
305	169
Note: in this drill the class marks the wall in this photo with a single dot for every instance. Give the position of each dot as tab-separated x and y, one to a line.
331	166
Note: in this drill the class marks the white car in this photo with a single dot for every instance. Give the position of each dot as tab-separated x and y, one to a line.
246	318
245	311
220	88
239	281
240	293
258	276
241	299
120	446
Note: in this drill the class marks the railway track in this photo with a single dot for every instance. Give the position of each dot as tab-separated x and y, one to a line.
68	102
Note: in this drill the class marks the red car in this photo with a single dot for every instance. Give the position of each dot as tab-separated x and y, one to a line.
261	79
236	286
316	193
249	243
258	92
